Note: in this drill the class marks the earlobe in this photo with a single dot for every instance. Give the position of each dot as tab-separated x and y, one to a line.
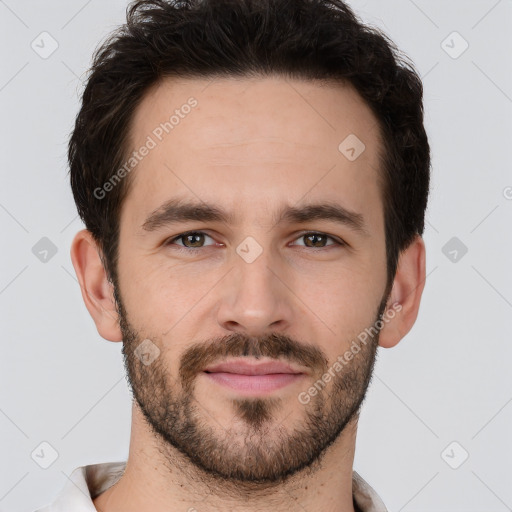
97	291
405	296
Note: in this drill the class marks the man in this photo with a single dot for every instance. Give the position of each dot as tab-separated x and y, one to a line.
253	176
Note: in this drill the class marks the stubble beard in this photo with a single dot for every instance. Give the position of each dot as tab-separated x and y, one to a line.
256	448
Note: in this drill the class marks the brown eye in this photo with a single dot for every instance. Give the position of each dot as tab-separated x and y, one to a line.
317	240
194	239
189	241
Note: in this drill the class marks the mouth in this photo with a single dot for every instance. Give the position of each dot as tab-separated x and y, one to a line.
253	378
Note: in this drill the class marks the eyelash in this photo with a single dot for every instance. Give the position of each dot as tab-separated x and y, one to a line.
302	235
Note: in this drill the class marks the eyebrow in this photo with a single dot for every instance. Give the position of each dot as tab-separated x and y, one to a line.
175	211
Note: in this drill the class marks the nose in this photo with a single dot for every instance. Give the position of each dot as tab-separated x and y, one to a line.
256	298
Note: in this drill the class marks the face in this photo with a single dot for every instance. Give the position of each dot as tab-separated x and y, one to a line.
251	258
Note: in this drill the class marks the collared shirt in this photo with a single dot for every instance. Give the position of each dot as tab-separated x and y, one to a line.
87	482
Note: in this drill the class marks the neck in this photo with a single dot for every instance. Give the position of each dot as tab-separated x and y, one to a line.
158	478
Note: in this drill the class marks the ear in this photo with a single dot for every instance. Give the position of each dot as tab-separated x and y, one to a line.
97	291
406	293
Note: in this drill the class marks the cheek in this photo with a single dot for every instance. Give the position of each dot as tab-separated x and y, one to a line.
344	305
163	297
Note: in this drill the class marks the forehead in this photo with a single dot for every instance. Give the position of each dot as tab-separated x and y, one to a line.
251	141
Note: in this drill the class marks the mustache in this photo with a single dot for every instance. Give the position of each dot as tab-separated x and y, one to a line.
273	345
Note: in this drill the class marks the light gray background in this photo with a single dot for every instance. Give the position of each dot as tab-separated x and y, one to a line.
448	380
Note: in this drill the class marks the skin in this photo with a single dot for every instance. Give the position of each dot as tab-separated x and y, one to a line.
250	146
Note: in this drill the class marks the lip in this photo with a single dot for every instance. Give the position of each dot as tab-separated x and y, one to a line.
253	378
245	368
